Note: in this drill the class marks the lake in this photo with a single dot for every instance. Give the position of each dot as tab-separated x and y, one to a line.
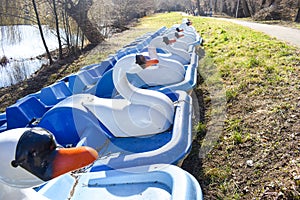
21	44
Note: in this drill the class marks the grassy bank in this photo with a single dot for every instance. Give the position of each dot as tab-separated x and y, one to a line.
251	87
247	142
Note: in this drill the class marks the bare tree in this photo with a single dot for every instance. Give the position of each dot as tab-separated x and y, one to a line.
297	18
125	11
57	29
198	7
79	12
41	31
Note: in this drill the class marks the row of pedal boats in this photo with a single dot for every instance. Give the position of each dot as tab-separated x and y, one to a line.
125	122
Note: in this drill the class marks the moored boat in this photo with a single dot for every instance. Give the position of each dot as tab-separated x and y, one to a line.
143	129
143	182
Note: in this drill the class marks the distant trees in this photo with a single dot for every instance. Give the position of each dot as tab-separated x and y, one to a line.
257	9
126	10
278	9
93	20
13	12
79	12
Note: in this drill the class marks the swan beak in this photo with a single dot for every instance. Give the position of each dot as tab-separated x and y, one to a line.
151	62
172	41
177	35
69	159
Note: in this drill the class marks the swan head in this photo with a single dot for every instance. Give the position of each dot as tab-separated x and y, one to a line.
168	41
144	61
31	156
179	29
178	35
186	21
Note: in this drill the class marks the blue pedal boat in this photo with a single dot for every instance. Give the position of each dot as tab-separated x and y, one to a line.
142	128
134	129
144	182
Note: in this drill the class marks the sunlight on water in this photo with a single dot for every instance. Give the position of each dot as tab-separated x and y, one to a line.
17	71
21	44
24	41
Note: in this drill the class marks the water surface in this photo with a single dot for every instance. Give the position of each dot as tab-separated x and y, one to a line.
21	44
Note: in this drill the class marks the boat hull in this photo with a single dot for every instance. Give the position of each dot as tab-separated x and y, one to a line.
144	182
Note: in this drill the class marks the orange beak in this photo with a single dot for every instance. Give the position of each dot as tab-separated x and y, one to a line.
181	35
172	41
69	159
151	62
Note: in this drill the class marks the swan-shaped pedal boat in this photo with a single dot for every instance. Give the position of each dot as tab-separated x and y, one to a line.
185	32
140	129
170	52
183	41
142	182
141	112
146	128
164	72
166	75
30	157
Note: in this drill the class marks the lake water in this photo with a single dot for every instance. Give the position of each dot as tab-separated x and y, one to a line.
21	44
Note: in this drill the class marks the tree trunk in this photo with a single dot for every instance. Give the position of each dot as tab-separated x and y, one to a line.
79	13
263	2
237	9
41	31
245	7
198	7
57	30
66	27
297	18
215	5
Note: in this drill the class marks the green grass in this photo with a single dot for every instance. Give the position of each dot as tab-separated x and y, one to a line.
245	65
243	69
200	127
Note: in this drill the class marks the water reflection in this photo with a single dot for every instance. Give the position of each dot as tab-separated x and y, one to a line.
19	70
21	44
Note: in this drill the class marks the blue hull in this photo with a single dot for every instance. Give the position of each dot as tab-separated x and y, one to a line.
113	176
145	182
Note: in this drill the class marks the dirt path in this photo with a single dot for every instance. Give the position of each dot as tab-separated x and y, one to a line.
289	35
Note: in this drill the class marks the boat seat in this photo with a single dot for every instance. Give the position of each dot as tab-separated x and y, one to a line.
162	29
96	71
3	127
107	64
37	95
2	118
87	67
80	81
22	113
140	46
121	54
54	93
70	122
105	87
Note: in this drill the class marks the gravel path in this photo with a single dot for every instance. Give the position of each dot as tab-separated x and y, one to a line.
289	35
